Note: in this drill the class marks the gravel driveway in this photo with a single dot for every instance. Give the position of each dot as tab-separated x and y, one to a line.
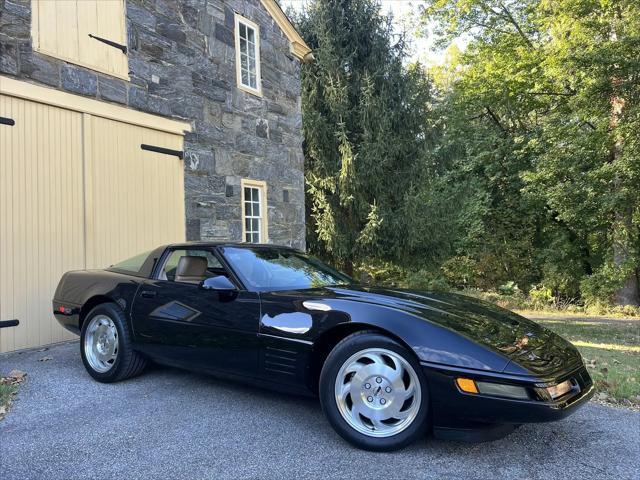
171	424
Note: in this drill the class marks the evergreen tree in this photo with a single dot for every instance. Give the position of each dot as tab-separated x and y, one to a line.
365	128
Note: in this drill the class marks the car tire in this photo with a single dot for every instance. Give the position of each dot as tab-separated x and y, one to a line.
370	375
106	345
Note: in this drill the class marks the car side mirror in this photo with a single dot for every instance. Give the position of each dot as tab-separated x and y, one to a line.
219	283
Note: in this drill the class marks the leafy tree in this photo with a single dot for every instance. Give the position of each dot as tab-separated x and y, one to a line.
543	109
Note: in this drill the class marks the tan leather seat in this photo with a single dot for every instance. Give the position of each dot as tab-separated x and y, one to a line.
191	269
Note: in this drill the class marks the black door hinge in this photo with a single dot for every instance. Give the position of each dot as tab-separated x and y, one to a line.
111	43
7	121
9	323
166	151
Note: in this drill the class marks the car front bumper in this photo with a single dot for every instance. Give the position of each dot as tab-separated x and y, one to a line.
453	408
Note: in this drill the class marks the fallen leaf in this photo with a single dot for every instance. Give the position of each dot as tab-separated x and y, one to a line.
604	371
17	375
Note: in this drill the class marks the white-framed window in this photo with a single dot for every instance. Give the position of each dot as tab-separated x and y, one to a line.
254	211
247	55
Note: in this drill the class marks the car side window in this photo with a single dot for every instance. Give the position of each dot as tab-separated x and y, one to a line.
184	266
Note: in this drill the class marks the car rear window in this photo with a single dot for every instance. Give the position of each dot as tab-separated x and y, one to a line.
133	264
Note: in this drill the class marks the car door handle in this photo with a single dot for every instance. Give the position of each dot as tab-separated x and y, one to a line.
148	293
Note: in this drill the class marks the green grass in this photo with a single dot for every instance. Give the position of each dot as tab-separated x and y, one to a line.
525	305
7	391
611	351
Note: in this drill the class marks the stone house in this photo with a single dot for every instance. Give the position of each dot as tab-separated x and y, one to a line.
125	124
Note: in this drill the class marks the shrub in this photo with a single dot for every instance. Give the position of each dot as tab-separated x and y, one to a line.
509	288
381	273
460	271
541	296
426	280
601	286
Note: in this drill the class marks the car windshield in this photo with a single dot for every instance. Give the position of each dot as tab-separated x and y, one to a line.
267	269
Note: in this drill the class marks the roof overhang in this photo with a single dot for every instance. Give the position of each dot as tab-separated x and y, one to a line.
297	45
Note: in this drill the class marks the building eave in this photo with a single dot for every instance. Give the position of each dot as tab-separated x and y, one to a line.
298	46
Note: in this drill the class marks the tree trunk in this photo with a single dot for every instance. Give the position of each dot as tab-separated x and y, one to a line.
623	238
347	267
623	245
629	294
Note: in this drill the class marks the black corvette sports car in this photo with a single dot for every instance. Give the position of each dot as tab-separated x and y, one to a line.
387	364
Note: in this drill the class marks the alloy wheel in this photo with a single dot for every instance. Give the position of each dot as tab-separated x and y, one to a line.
378	392
101	343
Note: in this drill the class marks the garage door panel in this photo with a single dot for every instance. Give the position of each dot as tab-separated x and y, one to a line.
41	219
7	140
76	191
138	196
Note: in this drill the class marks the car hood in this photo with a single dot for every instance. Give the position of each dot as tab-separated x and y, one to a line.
528	347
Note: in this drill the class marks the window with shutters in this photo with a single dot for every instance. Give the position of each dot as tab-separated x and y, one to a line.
254	211
90	33
248	55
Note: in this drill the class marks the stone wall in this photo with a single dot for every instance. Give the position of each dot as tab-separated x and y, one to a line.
182	65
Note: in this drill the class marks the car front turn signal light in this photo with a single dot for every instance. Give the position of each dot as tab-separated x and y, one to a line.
467	385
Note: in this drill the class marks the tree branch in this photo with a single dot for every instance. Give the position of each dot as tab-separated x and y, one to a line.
495	119
516	25
489	27
476	117
558	94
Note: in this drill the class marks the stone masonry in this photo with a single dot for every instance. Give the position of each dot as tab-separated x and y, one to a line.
182	65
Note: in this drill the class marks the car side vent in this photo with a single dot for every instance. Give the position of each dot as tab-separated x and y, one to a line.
280	360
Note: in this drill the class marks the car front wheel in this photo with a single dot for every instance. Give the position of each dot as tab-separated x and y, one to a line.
106	345
373	392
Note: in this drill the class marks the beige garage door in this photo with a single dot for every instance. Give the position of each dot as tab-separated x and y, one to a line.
76	191
138	195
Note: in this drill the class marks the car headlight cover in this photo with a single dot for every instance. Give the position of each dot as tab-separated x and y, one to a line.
501	390
494	389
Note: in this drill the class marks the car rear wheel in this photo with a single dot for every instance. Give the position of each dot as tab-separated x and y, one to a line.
373	392
106	346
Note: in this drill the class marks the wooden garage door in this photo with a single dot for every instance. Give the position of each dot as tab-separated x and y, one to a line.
41	216
138	195
76	191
